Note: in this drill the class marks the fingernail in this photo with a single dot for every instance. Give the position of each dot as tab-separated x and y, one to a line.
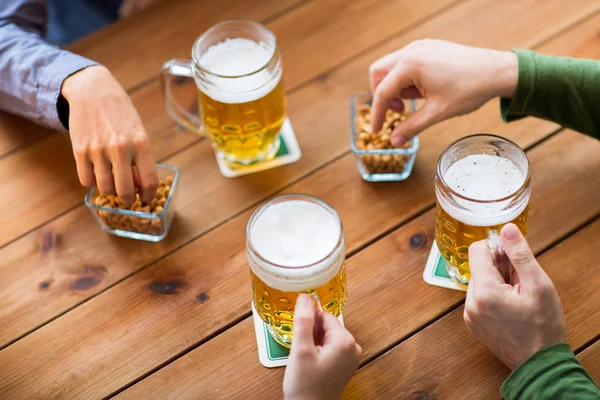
511	232
304	300
397	141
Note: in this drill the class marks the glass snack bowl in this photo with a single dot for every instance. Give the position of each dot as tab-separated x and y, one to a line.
380	165
115	219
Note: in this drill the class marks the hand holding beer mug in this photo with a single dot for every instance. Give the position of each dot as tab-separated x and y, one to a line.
482	182
513	322
295	244
237	69
319	370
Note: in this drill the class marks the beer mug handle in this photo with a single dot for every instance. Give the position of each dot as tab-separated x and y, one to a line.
171	70
499	257
318	330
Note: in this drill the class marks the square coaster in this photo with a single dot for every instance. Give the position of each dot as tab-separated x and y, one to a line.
270	353
435	271
289	152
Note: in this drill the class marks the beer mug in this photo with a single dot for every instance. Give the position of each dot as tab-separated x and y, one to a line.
237	69
295	244
482	182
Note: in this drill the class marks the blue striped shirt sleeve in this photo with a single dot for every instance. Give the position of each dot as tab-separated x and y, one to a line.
32	71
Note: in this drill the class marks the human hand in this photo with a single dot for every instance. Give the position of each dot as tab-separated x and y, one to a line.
452	78
108	137
513	322
319	371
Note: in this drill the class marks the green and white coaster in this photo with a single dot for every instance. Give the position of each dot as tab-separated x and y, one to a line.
289	152
435	271
270	353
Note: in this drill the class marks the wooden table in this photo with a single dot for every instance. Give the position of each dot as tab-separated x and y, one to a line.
80	313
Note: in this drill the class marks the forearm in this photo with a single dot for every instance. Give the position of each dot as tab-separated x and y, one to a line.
32	71
552	373
559	89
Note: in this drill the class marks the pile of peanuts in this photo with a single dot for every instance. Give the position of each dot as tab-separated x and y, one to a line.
366	140
151	226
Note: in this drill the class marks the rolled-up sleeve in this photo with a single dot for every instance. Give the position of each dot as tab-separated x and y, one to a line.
32	71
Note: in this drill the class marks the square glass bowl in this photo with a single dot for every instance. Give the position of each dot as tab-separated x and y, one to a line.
383	165
137	224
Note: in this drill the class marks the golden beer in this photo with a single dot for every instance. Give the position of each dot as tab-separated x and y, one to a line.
482	183
245	132
241	99
295	244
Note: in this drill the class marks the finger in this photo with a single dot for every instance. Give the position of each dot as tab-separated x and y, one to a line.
304	322
483	272
411	93
123	177
389	88
380	68
335	332
397	105
85	170
416	122
519	253
104	177
136	177
146	169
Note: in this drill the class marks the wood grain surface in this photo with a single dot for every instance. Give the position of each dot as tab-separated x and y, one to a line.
88	315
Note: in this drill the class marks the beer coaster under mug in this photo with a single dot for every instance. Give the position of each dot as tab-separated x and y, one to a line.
270	353
435	271
289	152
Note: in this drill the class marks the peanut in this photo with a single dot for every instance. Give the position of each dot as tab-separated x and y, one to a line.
367	140
152	226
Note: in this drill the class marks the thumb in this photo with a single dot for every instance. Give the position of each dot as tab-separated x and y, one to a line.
416	122
518	251
304	322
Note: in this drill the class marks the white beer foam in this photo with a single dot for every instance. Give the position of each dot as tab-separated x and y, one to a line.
484	177
296	234
235	57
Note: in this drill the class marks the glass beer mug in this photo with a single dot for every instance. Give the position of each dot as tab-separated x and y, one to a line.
482	182
295	244
237	69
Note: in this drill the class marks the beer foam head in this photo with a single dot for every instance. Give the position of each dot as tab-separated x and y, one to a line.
231	59
300	235
484	177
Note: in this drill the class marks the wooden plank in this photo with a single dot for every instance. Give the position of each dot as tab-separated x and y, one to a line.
389	272
590	359
135	49
16	132
42	181
203	289
156	119
146	40
321	107
428	361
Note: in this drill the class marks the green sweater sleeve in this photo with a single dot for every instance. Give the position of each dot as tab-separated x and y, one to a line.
552	373
560	89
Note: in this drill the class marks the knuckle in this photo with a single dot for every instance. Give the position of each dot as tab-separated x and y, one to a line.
141	142
118	144
96	148
348	343
523	256
80	152
481	303
374	69
302	320
303	353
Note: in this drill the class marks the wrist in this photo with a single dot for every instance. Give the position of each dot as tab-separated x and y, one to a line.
94	76
506	74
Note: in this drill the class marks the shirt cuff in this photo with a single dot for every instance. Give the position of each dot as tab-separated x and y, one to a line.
534	367
50	86
513	109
